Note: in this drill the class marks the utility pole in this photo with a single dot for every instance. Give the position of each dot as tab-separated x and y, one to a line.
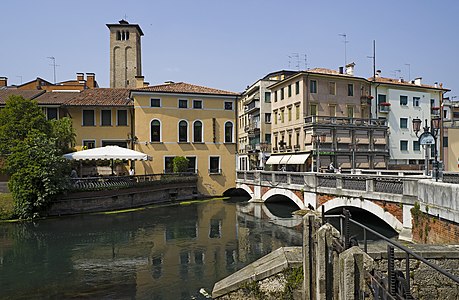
54	66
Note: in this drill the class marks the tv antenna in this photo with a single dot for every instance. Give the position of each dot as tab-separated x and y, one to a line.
294	60
395	72
54	66
20	77
374	59
409	71
345	47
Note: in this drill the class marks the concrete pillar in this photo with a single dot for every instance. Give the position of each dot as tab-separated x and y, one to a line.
353	263
309	249
310	198
370	183
325	236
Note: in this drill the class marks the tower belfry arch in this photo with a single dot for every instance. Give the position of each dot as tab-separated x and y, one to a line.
125	54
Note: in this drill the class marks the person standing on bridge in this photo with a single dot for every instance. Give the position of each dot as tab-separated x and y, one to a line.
331	168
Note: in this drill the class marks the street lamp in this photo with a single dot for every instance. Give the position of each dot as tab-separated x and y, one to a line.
317	139
429	137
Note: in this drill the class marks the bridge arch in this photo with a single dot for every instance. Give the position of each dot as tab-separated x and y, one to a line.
369	206
246	188
287	193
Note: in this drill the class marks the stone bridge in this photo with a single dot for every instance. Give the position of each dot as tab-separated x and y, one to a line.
417	207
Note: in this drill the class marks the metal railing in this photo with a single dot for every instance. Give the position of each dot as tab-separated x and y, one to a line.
397	284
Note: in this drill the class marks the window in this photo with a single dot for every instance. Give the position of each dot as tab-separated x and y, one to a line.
282	93
445	141
290	90
350	111
267	97
88	118
275	117
403	123
155	102
416	101
89	144
403	100
215	231
297	112
313	86
192	164
275	96
332	88
282	116
51	113
155	131
228	132
228	105
121	117
332	109
214	165
313	109
268	138
197	104
168	165
297	87
290	140
106	117
297	138
416	146
268	118
289	113
404	145
381	99
350	89
183	103
197	132
183	131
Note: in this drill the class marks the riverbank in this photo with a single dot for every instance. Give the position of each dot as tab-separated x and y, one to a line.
6	206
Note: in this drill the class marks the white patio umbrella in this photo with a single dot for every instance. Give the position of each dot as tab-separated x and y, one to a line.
107	153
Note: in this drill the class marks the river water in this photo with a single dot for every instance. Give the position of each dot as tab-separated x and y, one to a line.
167	252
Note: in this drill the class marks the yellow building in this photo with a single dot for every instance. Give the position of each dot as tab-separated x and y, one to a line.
181	119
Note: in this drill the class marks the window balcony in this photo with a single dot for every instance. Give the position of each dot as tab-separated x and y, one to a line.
384	107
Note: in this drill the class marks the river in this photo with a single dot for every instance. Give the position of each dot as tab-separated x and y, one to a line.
166	252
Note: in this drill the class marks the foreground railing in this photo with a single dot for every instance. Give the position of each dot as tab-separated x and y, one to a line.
118	182
397	283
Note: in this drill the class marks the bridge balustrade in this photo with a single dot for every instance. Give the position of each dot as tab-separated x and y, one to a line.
329	181
355	183
386	185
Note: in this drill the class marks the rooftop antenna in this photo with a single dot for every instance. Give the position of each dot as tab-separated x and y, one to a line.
395	72
305	61
345	46
20	78
374	60
54	66
409	71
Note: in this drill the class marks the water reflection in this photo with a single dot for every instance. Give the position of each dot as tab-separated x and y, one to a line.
159	253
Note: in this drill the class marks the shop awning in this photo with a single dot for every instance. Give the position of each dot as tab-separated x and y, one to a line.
107	153
274	159
285	159
298	159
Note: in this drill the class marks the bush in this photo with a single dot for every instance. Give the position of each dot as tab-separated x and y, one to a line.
6	206
180	164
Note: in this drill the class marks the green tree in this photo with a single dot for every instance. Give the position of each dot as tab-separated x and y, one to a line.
180	164
64	134
19	117
39	174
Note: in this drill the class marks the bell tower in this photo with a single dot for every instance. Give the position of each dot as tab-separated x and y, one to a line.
125	54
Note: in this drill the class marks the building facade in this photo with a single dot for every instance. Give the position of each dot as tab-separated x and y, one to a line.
399	102
254	122
450	135
180	119
322	116
125	54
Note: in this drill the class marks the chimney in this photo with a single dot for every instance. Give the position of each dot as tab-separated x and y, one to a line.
168	82
378	73
417	81
3	81
80	77
90	80
139	82
146	84
341	70
401	80
436	84
350	69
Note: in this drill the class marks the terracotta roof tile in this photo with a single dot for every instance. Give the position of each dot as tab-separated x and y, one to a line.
56	97
100	97
27	94
186	88
405	83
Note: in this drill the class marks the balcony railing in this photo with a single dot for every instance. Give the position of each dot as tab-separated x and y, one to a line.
326	120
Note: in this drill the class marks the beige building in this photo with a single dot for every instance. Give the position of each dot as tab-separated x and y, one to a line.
324	115
125	54
450	135
181	119
254	122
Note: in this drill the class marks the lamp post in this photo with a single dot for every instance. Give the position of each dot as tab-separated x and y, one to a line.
317	139
429	137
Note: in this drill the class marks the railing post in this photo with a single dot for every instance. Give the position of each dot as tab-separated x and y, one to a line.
391	269
370	185
347	242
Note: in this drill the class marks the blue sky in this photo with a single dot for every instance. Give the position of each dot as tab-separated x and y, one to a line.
230	44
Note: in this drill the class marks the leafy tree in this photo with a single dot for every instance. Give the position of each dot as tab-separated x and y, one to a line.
19	117
64	133
180	164
39	174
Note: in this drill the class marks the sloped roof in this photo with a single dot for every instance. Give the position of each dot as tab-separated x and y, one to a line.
404	83
100	97
56	98
184	88
27	94
326	71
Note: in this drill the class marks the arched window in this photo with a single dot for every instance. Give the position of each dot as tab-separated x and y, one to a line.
118	35
197	132
183	131
155	131
127	35
228	132
123	35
